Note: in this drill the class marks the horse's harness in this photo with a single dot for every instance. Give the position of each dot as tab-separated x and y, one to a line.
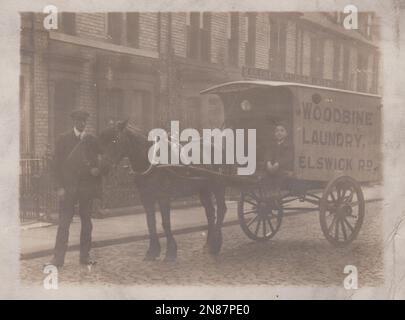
169	167
127	142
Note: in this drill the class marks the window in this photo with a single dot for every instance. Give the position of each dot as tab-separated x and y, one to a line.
115	26
133	29
317	55
250	55
199	36
193	112
277	51
366	24
336	62
141	109
362	23
194	35
233	39
67	23
25	120
362	70
124	28
113	110
299	52
375	75
346	69
369	29
206	37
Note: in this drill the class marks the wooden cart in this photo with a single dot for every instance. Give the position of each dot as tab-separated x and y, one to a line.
336	144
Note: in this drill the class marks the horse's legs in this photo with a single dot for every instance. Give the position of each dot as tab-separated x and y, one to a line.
171	246
154	245
206	201
219	194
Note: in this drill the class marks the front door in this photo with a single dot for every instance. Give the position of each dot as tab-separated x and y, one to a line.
65	100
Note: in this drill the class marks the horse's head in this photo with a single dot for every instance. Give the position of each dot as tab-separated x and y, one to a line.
114	142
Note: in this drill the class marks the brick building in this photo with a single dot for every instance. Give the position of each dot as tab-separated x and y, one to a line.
151	66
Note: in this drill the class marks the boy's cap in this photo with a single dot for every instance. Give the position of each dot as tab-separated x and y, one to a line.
80	114
282	124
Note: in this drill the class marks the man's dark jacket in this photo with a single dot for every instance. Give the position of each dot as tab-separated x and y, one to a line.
73	160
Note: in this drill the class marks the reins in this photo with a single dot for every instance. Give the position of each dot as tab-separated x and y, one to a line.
205	173
151	165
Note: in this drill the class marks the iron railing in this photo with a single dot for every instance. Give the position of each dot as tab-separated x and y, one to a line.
37	192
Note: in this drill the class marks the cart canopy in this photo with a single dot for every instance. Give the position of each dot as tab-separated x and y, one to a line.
243	85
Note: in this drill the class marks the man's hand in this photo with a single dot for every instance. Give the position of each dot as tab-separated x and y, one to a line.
95	171
61	193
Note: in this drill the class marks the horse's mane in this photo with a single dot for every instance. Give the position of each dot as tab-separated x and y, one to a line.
139	143
136	131
131	131
137	135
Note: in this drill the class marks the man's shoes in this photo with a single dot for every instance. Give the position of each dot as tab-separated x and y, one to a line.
54	263
88	262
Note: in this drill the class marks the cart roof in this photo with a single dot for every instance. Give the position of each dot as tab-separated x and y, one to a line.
248	84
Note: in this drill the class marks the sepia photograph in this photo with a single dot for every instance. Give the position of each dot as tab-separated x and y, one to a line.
200	147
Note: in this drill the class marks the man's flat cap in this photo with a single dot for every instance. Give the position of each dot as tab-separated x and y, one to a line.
80	114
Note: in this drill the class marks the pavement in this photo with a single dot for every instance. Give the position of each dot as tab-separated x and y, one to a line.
37	239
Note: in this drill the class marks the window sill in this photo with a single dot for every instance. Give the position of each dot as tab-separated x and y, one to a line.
101	45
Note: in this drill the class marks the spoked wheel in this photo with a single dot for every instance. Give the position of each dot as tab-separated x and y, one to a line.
342	210
259	217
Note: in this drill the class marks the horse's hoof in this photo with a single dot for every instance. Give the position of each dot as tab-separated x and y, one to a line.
170	258
215	249
214	252
150	257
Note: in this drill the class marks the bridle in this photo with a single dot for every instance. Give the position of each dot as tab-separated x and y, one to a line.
123	138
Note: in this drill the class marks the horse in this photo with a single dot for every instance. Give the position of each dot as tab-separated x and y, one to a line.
157	185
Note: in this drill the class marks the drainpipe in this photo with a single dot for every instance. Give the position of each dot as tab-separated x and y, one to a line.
169	67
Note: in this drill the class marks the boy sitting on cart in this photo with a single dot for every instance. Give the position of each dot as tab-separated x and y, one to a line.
278	162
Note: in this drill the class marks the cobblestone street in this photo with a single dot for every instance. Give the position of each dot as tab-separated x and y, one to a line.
298	255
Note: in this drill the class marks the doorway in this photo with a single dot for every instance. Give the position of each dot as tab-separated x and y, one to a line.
65	99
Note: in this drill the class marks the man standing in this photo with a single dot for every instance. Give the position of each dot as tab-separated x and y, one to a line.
78	176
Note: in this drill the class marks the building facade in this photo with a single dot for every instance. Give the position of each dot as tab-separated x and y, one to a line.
150	67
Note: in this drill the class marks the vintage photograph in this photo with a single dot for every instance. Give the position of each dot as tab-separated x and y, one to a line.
200	148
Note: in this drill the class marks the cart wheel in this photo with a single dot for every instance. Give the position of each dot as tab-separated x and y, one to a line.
342	210
259	218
